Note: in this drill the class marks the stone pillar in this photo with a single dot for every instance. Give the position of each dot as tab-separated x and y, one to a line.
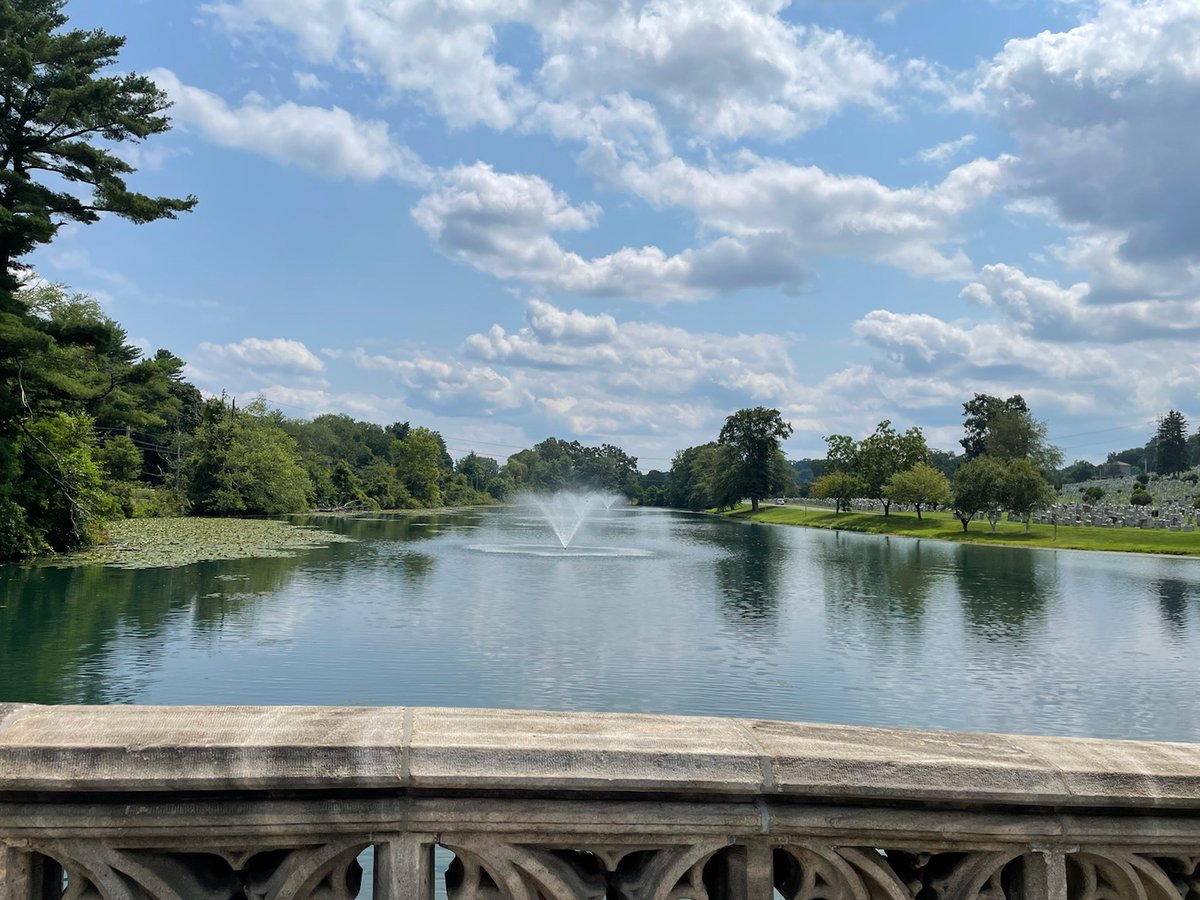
749	874
1045	875
28	876
404	867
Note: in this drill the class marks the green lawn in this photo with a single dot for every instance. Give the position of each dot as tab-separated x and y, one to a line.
943	526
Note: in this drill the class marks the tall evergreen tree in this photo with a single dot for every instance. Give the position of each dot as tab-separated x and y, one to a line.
1171	443
60	122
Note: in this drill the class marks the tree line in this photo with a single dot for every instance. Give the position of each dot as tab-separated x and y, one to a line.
97	431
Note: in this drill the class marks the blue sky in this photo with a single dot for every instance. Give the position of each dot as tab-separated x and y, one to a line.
619	222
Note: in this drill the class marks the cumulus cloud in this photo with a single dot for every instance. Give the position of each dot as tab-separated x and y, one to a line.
619	378
720	68
273	353
1053	312
504	224
1101	115
820	212
329	141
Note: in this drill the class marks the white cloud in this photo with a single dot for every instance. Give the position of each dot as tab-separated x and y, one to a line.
944	152
719	68
1102	117
1045	308
329	141
309	82
259	353
504	224
819	212
614	378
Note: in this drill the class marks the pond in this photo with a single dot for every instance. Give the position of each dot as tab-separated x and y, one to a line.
673	613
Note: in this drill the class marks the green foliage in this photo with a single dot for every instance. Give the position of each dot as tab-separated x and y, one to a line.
978	415
753	436
62	119
976	488
59	490
1171	444
1094	494
840	487
877	457
556	465
418	464
1080	470
1024	489
1140	497
697	479
919	486
242	462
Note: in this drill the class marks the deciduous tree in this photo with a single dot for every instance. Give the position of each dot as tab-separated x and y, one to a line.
976	488
840	487
921	485
753	437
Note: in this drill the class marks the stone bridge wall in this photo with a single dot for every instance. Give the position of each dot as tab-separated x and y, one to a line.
131	803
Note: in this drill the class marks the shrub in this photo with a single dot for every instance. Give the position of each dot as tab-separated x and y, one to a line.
1140	498
1093	494
1143	479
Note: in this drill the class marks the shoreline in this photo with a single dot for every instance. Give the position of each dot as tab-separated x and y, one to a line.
934	527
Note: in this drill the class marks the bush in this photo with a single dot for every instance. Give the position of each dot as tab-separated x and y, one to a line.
1140	498
1093	494
1143	479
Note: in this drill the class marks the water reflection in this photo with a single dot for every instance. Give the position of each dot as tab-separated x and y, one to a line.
749	576
1005	591
1174	596
59	626
887	581
717	617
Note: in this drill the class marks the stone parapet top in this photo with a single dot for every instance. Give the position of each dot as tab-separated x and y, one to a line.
179	748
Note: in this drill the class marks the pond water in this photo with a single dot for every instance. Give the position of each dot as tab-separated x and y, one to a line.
672	613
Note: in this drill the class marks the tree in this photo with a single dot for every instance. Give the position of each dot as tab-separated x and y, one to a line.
418	465
978	414
243	462
753	437
61	127
61	118
921	485
976	489
1024	489
1172	443
840	487
1005	429
883	454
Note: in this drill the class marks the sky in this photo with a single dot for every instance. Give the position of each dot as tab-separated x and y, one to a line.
621	221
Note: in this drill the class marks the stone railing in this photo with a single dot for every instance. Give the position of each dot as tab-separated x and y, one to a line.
130	803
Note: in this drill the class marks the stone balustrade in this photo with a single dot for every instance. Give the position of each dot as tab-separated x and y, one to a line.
178	803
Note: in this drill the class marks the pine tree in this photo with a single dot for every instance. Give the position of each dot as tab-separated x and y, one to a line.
1171	442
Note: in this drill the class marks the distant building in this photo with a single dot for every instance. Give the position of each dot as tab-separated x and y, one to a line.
1116	469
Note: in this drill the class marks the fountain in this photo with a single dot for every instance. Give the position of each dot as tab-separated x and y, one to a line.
565	513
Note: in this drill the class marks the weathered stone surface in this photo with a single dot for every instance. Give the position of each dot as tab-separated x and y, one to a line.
179	803
198	748
514	749
144	748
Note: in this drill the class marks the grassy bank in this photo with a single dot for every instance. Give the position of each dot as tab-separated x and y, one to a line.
943	526
148	543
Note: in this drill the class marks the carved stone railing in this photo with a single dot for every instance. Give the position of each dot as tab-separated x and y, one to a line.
128	803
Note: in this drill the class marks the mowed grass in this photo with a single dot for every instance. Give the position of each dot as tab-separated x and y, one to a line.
943	526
